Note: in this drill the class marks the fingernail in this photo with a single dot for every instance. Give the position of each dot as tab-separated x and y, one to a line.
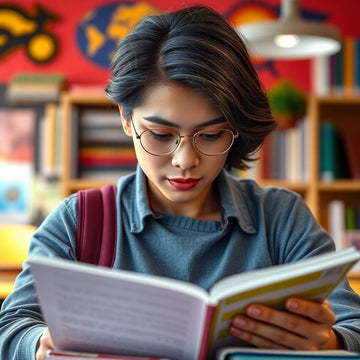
235	331
292	304
240	322
254	311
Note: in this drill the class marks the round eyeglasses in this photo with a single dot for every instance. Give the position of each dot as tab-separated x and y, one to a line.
165	141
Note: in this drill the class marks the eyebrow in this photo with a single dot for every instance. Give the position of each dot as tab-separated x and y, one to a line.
161	121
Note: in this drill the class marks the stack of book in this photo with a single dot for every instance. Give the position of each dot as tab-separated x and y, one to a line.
339	152
35	88
105	151
339	73
285	155
344	225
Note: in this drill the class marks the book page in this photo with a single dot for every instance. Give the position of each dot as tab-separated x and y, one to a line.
92	312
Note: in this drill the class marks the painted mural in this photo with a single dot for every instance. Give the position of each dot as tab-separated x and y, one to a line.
27	31
100	29
79	39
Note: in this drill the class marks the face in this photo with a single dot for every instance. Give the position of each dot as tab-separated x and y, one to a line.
180	182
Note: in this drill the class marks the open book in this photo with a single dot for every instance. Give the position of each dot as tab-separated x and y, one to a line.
95	309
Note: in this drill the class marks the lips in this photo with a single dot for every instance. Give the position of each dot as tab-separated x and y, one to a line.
184	184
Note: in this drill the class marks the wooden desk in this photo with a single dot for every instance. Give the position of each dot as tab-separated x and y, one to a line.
7	278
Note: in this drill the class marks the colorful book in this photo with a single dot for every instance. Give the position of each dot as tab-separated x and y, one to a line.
333	162
349	65
266	158
350	219
320	75
35	87
357	65
352	148
338	72
337	222
266	354
95	309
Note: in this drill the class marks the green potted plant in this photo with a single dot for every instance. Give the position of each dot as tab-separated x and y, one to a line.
287	102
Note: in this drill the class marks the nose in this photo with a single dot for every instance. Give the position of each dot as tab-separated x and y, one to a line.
185	156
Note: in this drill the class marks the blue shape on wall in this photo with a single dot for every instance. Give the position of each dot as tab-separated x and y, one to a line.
100	30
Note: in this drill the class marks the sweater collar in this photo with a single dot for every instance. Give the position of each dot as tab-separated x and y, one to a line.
233	203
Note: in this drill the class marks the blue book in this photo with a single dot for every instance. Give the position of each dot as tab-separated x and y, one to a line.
265	354
357	65
338	72
329	167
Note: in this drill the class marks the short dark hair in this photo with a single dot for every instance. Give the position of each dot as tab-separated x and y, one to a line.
195	47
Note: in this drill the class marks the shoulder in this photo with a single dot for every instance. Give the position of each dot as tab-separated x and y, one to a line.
245	196
251	191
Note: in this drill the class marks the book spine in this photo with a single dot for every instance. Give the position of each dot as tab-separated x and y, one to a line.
338	86
336	210
349	65
303	129
352	148
328	163
74	144
357	65
321	75
207	332
350	219
266	158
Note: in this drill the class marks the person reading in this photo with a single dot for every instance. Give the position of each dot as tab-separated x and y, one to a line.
189	97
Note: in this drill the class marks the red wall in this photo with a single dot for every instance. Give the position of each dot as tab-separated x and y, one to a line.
78	69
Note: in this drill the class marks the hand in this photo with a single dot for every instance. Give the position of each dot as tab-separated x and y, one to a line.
305	325
45	343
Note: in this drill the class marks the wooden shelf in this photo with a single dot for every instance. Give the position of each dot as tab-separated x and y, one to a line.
348	185
299	187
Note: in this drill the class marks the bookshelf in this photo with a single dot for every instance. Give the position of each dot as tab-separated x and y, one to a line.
73	104
343	111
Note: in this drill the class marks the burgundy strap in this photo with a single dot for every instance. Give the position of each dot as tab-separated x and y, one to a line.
97	226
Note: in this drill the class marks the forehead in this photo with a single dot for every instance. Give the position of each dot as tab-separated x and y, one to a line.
178	104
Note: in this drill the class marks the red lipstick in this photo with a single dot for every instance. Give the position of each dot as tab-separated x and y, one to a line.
184	184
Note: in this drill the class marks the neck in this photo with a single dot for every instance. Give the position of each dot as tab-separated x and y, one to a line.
206	207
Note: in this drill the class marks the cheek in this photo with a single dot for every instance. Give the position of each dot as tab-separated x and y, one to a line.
149	163
215	163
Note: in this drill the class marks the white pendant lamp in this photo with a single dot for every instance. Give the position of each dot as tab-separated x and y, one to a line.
290	37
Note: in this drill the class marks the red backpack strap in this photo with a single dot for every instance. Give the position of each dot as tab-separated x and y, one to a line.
97	226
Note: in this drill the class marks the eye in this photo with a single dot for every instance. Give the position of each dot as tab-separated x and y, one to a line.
210	136
162	135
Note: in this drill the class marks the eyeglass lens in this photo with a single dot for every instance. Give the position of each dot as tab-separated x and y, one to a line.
163	142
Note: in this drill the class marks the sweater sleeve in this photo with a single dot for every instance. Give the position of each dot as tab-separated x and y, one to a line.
21	320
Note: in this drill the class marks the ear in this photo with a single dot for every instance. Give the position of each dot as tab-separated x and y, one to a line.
125	123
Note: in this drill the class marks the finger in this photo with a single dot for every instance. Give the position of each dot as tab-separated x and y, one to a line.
255	339
313	332
45	343
321	313
266	335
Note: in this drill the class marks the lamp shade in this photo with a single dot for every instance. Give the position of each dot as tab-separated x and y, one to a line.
290	37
